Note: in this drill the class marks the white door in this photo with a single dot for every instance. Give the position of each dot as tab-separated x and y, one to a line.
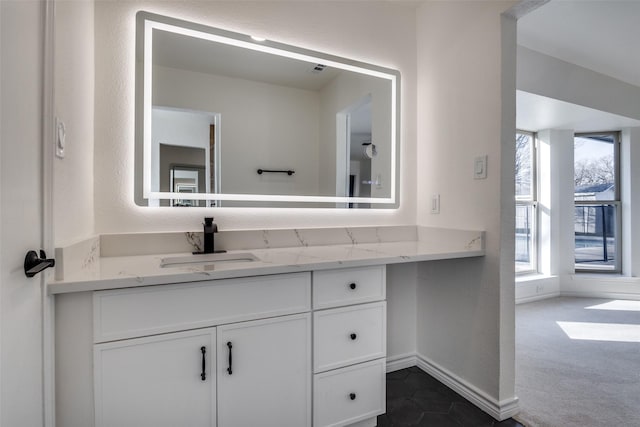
264	373
21	310
164	380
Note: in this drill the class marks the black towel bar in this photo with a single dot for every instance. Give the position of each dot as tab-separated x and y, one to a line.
288	172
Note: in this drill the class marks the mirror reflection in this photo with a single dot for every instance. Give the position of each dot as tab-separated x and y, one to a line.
226	121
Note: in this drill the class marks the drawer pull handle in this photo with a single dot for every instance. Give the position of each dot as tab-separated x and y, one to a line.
352	286
353	336
352	396
229	369
203	374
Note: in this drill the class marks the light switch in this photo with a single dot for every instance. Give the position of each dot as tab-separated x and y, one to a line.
480	167
435	204
61	138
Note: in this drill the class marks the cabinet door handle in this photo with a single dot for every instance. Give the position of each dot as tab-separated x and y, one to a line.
353	336
203	374
352	396
352	286
229	369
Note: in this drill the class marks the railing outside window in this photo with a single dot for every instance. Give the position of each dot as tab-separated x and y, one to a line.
596	228
526	214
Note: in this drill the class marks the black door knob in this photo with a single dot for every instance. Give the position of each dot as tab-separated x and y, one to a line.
352	286
34	264
352	396
353	336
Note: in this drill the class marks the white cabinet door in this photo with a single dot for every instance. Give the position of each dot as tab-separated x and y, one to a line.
264	373
156	381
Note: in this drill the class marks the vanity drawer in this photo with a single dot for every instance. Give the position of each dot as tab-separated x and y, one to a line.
348	395
135	312
344	336
334	288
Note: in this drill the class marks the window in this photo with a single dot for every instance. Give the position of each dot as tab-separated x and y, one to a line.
526	203
597	202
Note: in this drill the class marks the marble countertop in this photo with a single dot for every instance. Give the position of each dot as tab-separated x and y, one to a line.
113	272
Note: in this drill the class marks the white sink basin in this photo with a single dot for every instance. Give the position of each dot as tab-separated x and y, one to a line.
183	261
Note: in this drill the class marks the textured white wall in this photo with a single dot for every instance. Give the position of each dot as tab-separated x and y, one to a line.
74	79
466	307
401	309
382	33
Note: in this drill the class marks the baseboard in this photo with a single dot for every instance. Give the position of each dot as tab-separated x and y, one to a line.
538	297
500	410
601	286
536	287
601	294
402	361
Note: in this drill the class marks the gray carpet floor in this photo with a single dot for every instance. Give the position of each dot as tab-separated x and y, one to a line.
590	380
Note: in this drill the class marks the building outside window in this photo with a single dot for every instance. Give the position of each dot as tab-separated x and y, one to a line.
526	203
597	202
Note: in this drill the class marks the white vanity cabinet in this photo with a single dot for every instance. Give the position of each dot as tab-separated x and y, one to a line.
236	373
285	350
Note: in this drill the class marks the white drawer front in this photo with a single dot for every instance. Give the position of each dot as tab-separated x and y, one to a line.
334	288
344	336
349	395
128	313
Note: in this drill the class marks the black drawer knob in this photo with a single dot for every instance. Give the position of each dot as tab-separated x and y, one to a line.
352	286
353	336
352	396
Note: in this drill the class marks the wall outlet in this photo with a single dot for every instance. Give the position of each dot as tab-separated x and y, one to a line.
435	204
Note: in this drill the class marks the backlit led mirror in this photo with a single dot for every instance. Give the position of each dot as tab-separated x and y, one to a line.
224	120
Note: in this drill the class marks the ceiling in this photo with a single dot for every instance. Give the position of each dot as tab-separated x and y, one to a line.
535	112
603	36
198	55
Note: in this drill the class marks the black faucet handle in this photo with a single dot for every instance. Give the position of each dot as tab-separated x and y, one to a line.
210	226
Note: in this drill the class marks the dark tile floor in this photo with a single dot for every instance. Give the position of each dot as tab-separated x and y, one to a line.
415	398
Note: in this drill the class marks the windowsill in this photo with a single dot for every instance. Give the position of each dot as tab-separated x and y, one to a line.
598	272
533	276
603	275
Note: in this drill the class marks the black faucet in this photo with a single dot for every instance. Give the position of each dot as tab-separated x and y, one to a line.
210	228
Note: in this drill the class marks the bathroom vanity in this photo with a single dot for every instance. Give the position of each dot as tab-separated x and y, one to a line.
296	336
240	350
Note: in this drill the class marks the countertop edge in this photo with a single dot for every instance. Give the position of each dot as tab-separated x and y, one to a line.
130	282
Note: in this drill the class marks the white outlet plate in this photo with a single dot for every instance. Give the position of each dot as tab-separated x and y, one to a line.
435	204
480	167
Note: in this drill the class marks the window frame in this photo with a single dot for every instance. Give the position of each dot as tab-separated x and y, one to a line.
616	203
532	201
